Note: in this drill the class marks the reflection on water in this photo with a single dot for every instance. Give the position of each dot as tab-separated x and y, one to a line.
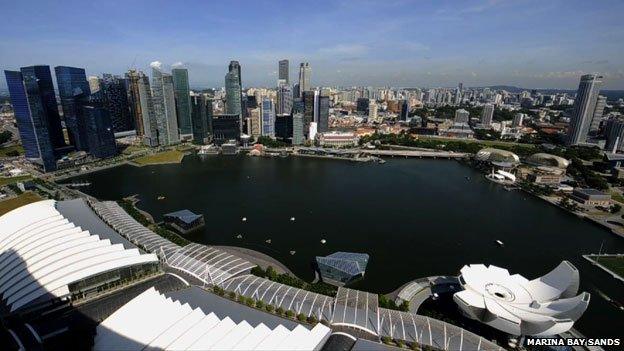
414	218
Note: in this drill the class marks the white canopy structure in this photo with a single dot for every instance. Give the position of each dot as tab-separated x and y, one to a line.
43	253
544	306
152	321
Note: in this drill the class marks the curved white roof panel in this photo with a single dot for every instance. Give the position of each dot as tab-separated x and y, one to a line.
154	321
42	252
544	306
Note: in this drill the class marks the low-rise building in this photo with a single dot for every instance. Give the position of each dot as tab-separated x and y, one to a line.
184	221
337	139
593	197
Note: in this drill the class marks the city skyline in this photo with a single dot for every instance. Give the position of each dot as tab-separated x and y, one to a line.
398	43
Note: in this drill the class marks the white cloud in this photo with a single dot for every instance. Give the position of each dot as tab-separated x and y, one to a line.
156	64
344	49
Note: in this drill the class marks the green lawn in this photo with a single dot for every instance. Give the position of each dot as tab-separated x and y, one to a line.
484	142
617	196
171	156
10	180
5	150
21	200
614	263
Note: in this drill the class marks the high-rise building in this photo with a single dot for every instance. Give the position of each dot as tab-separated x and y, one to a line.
372	111
254	123
98	130
268	118
114	98
462	116
234	66
283	71
305	73
615	136
201	108
403	110
517	120
323	113
142	107
308	109
283	127
71	82
298	137
233	93
361	105
37	123
487	114
601	103
225	127
182	99
284	99
94	84
584	107
164	106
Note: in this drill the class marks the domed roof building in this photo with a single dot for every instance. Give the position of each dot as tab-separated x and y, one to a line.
497	155
548	160
544	306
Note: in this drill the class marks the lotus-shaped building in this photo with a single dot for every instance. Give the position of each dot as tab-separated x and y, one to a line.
544	306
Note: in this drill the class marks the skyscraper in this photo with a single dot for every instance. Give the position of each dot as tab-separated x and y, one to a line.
98	130
201	108
71	82
601	102
182	99
284	99
235	66
403	110
372	111
462	116
584	107
268	118
142	107
233	94
323	114
298	132
36	114
114	98
615	136
283	73
305	72
308	110
487	114
164	106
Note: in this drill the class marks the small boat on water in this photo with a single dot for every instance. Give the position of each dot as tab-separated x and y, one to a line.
323	241
293	252
292	219
244	219
268	241
500	243
161	197
239	236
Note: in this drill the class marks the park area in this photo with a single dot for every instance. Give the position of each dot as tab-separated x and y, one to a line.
614	263
18	201
170	156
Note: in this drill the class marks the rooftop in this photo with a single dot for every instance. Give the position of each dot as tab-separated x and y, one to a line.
184	215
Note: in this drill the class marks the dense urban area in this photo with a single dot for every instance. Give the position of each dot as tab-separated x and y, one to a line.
562	147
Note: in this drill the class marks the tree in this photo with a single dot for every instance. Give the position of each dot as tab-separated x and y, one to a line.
404	306
615	208
257	271
290	314
232	295
269	308
279	311
312	319
301	317
260	304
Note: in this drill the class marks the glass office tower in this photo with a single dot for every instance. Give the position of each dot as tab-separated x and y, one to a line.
72	82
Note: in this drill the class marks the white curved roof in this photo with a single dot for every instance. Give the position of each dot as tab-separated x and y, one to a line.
42	252
153	321
496	155
511	303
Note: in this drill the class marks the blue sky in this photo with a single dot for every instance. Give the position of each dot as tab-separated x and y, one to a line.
535	44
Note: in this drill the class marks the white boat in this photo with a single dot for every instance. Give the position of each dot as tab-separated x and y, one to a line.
239	236
500	243
293	252
244	219
323	241
501	177
292	219
268	241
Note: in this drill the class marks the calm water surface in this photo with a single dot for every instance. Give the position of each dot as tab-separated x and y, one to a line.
415	218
